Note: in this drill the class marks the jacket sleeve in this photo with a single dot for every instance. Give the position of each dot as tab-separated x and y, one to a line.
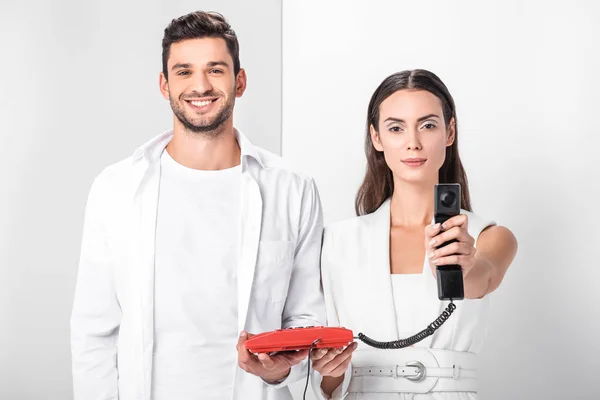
332	318
96	313
304	304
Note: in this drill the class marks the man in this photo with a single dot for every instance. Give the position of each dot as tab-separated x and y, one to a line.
192	242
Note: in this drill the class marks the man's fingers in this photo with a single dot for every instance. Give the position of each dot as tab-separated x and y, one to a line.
246	360
295	357
266	361
301	354
244	336
241	346
242	339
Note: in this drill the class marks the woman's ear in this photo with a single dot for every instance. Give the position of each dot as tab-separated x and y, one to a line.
375	138
451	132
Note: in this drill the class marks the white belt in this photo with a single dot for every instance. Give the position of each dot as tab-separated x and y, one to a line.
419	370
415	371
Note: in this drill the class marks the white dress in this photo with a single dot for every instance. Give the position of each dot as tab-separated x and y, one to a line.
359	295
405	288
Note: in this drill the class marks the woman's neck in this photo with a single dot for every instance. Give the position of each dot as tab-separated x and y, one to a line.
412	204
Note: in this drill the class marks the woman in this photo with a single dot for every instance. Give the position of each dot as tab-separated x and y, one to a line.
379	269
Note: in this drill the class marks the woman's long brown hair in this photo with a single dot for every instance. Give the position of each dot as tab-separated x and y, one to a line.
378	184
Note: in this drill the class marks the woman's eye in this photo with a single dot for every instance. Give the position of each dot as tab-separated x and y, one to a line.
395	129
429	126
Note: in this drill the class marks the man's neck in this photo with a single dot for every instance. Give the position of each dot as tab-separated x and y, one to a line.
205	150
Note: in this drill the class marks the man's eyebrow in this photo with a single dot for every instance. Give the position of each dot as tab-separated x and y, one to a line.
181	66
218	63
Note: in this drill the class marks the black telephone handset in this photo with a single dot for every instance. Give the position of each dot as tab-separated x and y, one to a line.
447	205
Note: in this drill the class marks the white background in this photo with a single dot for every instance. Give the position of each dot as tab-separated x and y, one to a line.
525	78
79	91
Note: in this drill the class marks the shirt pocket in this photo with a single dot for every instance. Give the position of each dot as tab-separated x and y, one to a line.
273	270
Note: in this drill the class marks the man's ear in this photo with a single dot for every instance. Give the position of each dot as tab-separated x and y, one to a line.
163	85
240	83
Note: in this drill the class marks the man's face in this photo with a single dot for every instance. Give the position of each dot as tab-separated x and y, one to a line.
201	85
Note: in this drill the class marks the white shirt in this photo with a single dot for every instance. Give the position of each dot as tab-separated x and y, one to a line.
196	282
278	276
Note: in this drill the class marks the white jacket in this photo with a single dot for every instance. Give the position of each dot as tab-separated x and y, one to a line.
358	295
278	277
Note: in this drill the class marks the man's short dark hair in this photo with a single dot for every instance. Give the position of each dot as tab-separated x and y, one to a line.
197	25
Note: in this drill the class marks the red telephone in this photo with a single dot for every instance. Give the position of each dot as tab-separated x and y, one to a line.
299	339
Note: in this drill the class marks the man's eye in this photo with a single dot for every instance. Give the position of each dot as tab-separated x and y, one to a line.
216	71
183	73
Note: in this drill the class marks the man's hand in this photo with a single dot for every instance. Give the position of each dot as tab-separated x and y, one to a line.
271	369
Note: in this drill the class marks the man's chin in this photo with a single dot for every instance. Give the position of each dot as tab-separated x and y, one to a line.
203	127
211	124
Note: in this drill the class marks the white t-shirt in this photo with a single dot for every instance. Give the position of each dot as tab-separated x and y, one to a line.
197	237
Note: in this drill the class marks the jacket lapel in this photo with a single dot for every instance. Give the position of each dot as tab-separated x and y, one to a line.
382	303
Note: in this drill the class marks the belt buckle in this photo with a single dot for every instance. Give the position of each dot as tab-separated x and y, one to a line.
421	371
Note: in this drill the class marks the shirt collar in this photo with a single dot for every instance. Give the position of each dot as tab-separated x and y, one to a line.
151	150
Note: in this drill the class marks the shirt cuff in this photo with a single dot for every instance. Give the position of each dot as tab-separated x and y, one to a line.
279	382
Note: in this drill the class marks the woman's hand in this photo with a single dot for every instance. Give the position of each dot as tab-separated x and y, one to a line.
332	362
460	253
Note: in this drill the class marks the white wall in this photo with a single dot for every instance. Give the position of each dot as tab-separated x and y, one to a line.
525	79
79	91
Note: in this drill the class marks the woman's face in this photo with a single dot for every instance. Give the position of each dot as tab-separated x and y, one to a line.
412	134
